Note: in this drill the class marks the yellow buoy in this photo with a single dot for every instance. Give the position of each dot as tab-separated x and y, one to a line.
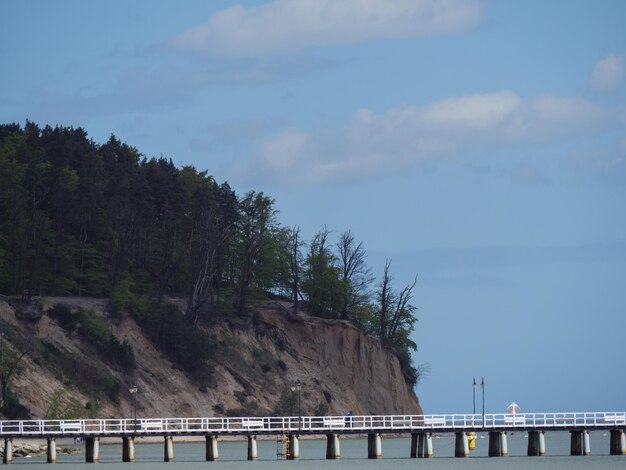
471	440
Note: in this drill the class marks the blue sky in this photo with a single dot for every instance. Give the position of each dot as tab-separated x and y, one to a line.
478	144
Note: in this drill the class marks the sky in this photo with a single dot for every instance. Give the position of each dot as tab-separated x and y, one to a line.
480	145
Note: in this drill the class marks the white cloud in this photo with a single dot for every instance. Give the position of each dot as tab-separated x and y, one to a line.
608	74
284	25
401	137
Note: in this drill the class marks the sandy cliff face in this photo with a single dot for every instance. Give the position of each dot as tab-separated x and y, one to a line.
340	369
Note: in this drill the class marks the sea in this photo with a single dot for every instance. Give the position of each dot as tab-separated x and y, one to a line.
396	451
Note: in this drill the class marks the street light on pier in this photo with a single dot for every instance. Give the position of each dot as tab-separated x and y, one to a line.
474	396
133	392
482	386
297	387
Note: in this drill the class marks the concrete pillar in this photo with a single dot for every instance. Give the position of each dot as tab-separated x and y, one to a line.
374	446
252	449
8	450
294	447
536	443
168	449
461	446
421	445
495	444
92	449
586	443
52	450
427	446
333	450
618	442
128	449
212	453
576	442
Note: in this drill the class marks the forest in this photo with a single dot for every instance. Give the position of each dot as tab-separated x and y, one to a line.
78	218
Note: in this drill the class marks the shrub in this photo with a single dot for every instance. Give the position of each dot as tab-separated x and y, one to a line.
64	317
180	342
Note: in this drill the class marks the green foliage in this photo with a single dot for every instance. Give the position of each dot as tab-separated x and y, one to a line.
124	300
13	409
182	343
288	403
86	375
322	283
79	218
64	407
321	409
95	332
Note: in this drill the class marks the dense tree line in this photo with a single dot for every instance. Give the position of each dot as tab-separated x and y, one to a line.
88	219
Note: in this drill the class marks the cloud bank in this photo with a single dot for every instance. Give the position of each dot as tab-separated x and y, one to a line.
286	25
373	144
608	74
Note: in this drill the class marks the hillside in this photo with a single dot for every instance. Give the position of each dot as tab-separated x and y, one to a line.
252	362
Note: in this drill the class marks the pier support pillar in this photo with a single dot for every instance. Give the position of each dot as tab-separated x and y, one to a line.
461	445
128	449
8	450
252	449
92	449
51	453
498	444
421	445
536	443
618	442
294	447
579	443
168	449
333	450
374	446
212	453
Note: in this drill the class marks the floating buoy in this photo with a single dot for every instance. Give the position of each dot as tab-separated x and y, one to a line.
471	440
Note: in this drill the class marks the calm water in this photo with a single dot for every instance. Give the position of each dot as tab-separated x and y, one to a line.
353	456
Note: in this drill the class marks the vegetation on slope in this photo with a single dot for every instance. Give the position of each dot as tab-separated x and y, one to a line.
84	219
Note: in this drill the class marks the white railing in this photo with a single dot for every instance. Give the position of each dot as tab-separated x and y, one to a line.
313	424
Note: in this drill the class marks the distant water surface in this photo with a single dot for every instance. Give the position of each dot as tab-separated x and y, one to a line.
190	456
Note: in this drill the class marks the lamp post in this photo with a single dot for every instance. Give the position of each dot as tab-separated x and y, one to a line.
296	387
133	392
474	396
482	386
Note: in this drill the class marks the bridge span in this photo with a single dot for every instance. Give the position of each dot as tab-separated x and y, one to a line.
288	430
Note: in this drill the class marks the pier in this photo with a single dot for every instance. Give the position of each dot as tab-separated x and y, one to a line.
421	428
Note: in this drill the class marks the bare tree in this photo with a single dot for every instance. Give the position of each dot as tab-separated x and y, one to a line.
355	274
211	234
395	313
295	266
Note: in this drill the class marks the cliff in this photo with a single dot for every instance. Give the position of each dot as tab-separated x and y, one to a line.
253	363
